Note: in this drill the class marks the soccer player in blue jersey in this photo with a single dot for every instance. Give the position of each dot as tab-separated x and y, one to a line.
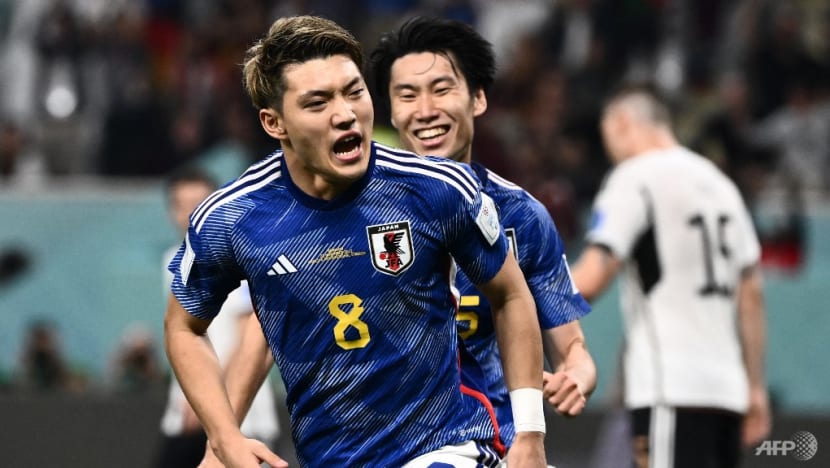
434	73
349	249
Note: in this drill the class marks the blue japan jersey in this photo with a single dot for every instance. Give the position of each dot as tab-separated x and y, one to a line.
354	297
541	256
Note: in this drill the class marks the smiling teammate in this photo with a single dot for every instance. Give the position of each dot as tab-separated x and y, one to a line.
434	75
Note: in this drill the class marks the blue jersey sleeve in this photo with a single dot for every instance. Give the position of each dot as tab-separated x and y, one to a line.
203	272
545	266
477	240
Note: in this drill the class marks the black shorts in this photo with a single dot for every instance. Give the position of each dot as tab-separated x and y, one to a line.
182	451
677	437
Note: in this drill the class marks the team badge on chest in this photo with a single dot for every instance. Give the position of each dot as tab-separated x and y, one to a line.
391	246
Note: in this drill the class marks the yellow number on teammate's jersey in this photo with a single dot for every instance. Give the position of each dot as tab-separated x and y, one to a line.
469	316
349	319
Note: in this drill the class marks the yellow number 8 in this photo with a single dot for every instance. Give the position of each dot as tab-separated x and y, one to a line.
349	319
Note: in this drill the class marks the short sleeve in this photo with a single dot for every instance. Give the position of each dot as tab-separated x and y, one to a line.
545	266
620	213
204	272
476	239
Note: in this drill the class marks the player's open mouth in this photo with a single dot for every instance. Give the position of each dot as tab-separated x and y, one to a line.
433	132
348	147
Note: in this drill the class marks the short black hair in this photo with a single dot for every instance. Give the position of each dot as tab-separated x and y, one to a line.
464	45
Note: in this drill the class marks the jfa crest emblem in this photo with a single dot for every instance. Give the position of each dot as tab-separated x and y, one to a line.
391	246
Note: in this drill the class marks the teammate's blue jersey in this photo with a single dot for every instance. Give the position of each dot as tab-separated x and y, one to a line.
541	256
354	296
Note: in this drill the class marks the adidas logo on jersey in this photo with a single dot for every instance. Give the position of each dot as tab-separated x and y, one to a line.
282	266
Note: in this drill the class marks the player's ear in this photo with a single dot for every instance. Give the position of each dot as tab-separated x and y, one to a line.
479	102
272	123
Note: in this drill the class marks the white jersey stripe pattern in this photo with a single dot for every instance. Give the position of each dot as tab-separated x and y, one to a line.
409	162
661	437
249	174
501	181
239	191
269	169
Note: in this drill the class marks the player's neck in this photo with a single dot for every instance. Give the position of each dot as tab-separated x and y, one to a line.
653	141
465	157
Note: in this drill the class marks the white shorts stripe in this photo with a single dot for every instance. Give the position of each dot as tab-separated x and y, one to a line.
470	454
661	437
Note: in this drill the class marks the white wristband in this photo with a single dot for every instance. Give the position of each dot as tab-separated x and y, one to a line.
528	411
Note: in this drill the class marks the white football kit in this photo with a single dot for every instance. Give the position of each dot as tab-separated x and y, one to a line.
685	236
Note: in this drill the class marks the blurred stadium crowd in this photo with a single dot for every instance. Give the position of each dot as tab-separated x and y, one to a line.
115	89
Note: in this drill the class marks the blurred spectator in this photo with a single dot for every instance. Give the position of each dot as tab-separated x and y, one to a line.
236	146
136	139
137	89
125	151
516	76
631	31
20	166
723	136
572	38
18	64
570	32
778	55
799	129
135	364
14	262
506	36
62	44
460	10
59	41
703	29
551	151
188	134
43	366
784	237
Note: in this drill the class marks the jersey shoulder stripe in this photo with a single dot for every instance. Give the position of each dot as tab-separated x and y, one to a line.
521	203
447	171
222	190
254	178
501	181
408	161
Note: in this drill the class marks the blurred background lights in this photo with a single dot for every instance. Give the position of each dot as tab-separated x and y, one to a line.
61	101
